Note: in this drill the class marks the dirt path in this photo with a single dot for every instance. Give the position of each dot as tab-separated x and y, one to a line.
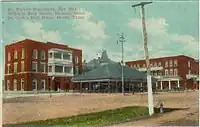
43	107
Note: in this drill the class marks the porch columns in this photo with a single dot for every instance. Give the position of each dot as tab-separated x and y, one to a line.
161	87
169	84
156	84
178	83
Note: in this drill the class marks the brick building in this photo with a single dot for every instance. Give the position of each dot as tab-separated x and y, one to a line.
174	71
33	65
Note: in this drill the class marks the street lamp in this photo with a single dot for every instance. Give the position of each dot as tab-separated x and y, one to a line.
122	40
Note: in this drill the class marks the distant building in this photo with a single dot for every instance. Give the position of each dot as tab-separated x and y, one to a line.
173	71
33	65
97	62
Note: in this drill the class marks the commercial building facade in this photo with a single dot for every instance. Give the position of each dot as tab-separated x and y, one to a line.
174	71
32	65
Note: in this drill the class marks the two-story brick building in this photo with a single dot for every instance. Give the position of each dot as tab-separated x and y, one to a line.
173	71
33	65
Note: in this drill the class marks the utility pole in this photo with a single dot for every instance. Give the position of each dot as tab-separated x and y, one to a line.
122	40
149	83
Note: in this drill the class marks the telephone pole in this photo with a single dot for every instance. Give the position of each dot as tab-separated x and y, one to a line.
122	40
149	83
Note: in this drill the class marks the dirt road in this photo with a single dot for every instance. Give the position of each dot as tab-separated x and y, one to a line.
42	107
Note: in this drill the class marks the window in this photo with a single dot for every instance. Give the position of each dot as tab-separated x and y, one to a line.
50	55
50	68
188	63
159	64
151	65
42	85
144	66
59	69
66	56
8	67
22	66
34	66
134	66
175	63
189	71
166	72
138	66
15	67
160	73
8	84
9	56
35	54
57	55
76	70
22	54
15	84
22	84
42	67
171	63
34	84
155	74
175	72
68	69
171	72
42	55
166	63
76	59
15	54
155	64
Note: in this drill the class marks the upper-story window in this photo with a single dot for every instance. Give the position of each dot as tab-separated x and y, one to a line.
166	63
50	55
35	54
175	72
171	63
166	72
9	56
42	55
15	67
66	56
171	72
22	55
155	64
188	63
134	66
138	66
58	55
175	63
131	65
22	66
15	54
34	66
159	64
8	68
76	59
144	66
68	69
59	69
42	67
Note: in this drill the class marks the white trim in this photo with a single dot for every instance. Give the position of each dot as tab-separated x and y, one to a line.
44	63
27	72
34	80
22	63
36	65
15	63
35	50
8	88
21	84
44	83
15	85
8	69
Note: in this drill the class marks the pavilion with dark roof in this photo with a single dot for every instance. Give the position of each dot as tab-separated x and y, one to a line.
108	78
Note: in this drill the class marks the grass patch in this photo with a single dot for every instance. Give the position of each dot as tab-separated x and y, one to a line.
93	119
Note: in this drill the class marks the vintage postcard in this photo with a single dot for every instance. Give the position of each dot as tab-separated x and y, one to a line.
99	63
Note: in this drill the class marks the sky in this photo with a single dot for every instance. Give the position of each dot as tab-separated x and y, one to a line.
172	28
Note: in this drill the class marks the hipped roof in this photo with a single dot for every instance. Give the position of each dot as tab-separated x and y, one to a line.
112	72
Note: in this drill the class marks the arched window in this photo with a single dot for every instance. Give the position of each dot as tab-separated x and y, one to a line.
42	55
35	54
34	84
